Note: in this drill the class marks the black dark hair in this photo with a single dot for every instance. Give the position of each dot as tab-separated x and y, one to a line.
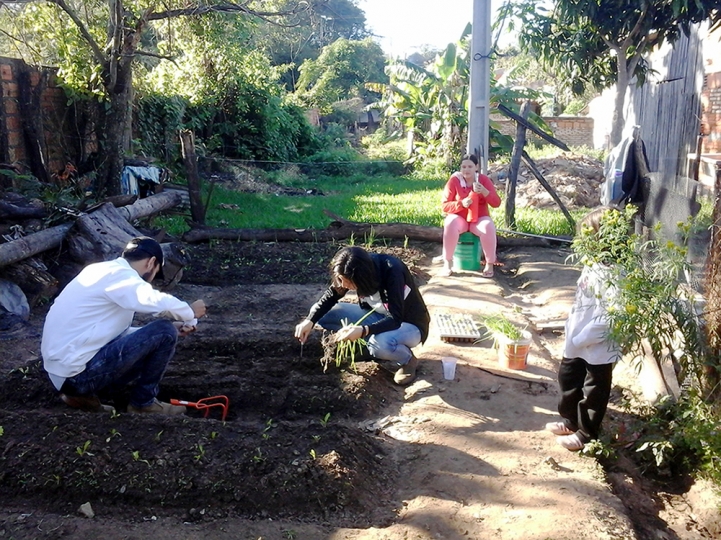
355	264
471	157
144	247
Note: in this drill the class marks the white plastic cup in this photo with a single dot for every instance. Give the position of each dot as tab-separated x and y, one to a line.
449	367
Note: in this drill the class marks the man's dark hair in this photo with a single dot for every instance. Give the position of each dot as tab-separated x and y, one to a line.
355	264
144	247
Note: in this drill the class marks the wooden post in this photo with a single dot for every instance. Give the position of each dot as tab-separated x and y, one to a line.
190	160
515	165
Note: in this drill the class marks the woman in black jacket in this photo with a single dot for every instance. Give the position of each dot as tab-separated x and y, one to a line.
397	318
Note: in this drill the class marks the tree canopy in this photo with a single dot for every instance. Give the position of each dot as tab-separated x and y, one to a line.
602	42
340	72
98	43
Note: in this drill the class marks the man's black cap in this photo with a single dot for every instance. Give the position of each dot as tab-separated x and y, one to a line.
144	245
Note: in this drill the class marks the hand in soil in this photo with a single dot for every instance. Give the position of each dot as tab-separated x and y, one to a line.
303	330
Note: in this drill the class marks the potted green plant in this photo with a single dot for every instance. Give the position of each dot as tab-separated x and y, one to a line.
512	341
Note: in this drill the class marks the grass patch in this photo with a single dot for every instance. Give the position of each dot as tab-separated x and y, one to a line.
367	199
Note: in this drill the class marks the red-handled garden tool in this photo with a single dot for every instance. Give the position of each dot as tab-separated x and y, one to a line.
206	404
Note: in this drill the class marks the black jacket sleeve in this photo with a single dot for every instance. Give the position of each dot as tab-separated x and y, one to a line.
325	303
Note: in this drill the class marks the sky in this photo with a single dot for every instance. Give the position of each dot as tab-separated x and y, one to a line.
402	27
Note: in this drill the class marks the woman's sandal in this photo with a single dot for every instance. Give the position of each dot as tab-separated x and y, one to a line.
487	273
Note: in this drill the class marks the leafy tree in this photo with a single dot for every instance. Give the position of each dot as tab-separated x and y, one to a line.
432	102
98	44
340	72
602	42
324	22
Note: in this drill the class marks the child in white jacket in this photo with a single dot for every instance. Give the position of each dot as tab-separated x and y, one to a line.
584	376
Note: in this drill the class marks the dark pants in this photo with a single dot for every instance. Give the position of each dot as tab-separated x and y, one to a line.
138	359
585	389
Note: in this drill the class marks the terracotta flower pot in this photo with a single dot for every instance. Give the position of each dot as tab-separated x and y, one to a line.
513	354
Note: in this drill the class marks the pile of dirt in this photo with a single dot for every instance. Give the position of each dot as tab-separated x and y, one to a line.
575	178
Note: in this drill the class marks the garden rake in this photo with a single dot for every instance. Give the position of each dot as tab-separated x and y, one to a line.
206	404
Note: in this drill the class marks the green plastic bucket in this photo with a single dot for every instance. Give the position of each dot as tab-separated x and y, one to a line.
468	253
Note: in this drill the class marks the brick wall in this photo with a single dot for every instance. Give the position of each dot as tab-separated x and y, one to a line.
711	113
572	130
13	126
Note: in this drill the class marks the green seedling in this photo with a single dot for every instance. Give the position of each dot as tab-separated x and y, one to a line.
316	438
81	451
136	457
325	419
268	426
371	238
113	433
258	457
201	452
348	349
157	435
312	453
213	435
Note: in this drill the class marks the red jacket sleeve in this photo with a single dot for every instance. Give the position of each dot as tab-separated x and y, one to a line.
450	200
492	199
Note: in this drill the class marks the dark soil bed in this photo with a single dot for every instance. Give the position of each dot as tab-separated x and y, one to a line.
292	445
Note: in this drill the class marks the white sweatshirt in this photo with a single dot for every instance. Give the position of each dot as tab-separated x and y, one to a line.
95	308
587	325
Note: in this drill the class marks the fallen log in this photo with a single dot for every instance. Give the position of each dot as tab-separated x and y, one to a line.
32	244
151	205
340	229
17	207
32	276
100	235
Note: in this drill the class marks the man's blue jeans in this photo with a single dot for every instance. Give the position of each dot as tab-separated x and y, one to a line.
394	345
137	359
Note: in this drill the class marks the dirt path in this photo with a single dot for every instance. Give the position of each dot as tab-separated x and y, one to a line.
453	459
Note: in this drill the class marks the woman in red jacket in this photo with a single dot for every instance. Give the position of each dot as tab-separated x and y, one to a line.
465	202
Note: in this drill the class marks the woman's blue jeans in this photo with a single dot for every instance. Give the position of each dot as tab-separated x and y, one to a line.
394	345
138	359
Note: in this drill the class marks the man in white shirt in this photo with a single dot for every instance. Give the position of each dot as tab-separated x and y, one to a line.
88	344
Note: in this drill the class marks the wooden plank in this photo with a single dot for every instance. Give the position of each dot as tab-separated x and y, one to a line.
510	114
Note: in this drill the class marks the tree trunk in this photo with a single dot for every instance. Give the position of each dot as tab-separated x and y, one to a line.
33	129
112	144
621	86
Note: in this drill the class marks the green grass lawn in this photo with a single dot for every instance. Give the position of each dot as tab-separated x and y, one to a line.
369	199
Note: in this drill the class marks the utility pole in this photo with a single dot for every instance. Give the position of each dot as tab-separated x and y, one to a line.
478	110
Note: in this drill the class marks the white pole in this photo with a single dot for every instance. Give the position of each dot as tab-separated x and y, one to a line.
478	110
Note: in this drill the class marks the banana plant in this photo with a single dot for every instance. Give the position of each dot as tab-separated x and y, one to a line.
432	102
